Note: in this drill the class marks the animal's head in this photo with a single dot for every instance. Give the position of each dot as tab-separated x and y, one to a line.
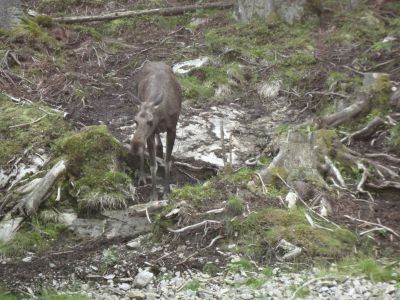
146	121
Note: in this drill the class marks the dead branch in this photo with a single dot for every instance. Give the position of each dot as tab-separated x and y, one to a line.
385	185
30	203
194	226
360	185
335	119
366	131
388	157
28	124
193	168
168	11
213	241
375	224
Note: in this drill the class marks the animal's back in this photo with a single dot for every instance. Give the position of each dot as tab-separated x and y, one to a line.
157	79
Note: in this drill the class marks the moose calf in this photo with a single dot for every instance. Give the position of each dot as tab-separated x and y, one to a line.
160	95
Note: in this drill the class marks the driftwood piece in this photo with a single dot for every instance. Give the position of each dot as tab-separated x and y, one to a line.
167	11
30	203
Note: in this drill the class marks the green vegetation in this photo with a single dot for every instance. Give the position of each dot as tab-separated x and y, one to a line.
211	269
196	194
94	157
34	237
235	206
370	268
270	225
4	295
193	285
22	126
30	31
242	264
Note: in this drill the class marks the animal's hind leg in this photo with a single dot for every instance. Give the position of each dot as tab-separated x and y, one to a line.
153	166
159	147
170	145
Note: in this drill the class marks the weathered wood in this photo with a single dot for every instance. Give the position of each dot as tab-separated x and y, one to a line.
30	203
167	11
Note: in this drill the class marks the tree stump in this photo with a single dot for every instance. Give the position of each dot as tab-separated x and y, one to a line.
10	13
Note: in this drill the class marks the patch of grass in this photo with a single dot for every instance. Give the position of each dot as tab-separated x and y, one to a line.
241	265
235	206
267	271
300	292
31	32
194	88
193	285
395	135
194	193
211	269
370	268
270	225
86	29
33	237
14	140
239	178
255	283
118	26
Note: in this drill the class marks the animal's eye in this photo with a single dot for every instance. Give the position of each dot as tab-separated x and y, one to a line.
150	123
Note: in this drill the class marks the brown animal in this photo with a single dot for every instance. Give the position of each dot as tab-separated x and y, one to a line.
160	95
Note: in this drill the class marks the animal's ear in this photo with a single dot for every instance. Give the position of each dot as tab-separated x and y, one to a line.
158	101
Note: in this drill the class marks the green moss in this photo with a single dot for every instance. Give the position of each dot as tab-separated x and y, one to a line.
95	162
14	140
45	295
30	31
211	268
192	285
239	178
194	193
269	226
86	29
241	265
381	89
235	206
395	135
119	26
194	88
33	237
255	283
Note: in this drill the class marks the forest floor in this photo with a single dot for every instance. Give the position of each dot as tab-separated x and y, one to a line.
87	71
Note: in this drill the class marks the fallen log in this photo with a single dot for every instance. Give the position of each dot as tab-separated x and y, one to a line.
30	203
167	11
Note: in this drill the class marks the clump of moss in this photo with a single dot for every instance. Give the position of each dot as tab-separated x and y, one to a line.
269	226
95	162
33	237
31	31
196	194
40	129
235	206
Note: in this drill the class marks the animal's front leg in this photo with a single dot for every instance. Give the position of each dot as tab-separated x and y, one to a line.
142	176
170	145
153	166
159	147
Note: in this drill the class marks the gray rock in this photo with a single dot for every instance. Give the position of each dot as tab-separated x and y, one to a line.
143	278
136	294
10	13
124	286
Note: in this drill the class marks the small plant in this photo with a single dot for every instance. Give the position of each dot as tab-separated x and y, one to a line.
235	206
211	269
242	264
301	292
255	283
193	285
108	259
267	271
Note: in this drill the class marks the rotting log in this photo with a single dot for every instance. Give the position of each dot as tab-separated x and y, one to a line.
167	11
30	203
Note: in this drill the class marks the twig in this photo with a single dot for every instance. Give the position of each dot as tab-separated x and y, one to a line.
147	215
28	124
194	226
213	241
187	258
372	223
363	179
